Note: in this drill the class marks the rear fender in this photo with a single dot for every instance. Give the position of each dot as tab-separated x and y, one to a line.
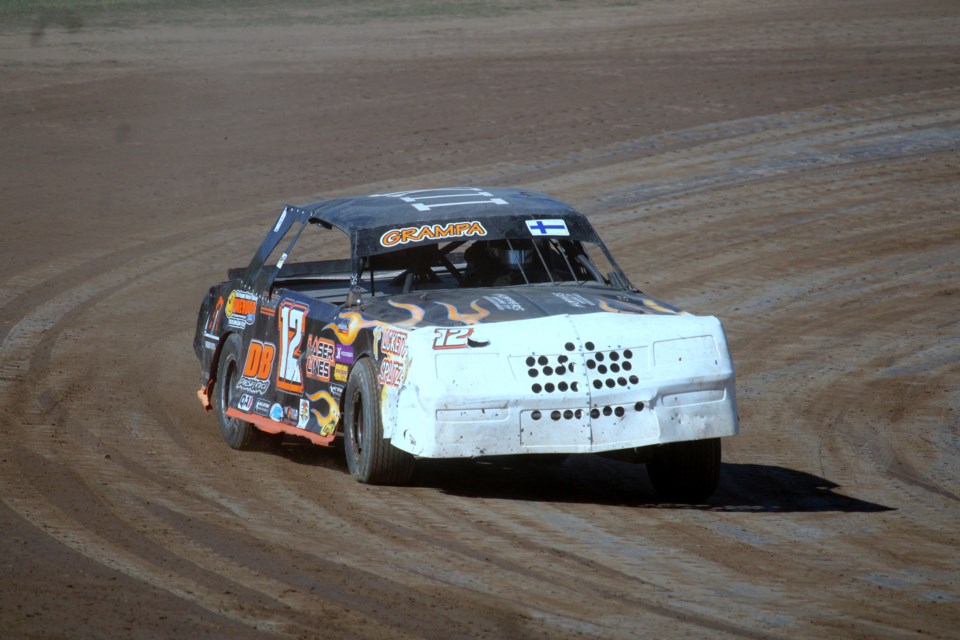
209	378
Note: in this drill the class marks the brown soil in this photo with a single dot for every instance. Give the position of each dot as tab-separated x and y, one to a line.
791	167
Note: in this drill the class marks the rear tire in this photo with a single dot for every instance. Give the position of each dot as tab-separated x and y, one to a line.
237	433
686	472
370	458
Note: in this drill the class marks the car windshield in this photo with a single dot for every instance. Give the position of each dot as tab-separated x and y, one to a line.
480	263
486	263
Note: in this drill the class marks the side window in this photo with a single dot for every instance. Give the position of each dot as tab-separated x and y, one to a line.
316	262
274	261
315	246
604	269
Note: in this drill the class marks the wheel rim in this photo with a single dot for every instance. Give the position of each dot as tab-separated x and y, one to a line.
356	426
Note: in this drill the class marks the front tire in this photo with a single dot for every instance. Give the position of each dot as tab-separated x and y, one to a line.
687	472
370	458
237	433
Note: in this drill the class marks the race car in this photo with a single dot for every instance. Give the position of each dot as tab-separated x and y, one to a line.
461	322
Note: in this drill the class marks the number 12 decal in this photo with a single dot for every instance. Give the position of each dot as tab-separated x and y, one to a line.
292	320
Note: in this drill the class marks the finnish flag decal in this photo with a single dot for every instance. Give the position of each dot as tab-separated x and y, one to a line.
547	228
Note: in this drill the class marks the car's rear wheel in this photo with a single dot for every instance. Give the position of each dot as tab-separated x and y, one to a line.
237	433
370	458
686	472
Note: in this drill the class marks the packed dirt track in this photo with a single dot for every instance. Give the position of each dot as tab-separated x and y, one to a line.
791	167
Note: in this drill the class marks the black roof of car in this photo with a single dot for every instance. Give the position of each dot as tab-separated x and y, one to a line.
386	221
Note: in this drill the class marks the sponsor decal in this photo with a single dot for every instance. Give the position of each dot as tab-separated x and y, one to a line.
240	309
340	372
257	367
393	342
547	228
259	361
262	407
451	338
256	387
504	302
293	415
391	372
393	350
326	411
344	353
283	214
246	401
575	300
319	359
465	229
291	321
303	416
336	390
276	412
268	305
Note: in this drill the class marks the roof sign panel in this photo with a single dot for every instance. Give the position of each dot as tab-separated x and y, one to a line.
428	199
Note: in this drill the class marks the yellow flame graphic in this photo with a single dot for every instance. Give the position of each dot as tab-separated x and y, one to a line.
467	318
356	322
416	313
628	307
328	422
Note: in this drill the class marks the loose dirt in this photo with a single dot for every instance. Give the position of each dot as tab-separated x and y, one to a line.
791	167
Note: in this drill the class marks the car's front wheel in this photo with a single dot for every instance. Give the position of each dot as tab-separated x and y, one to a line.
237	433
686	472
370	458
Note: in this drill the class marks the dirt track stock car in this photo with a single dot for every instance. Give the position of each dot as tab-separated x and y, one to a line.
461	322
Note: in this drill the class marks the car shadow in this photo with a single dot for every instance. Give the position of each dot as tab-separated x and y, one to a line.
594	479
302	451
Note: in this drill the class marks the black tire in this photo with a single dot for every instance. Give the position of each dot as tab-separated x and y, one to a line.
237	433
370	458
687	472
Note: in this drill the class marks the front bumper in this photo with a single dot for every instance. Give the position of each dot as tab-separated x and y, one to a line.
565	384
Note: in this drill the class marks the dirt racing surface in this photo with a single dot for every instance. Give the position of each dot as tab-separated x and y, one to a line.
791	167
